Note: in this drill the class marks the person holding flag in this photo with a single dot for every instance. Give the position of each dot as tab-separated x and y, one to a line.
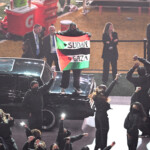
75	52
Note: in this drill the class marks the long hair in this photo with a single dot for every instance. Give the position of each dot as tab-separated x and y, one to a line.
100	93
3	116
106	28
140	108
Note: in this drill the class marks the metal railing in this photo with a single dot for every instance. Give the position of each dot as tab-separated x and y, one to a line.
144	44
124	41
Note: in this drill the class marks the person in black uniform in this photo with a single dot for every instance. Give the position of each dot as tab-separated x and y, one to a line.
6	122
132	123
100	98
33	102
110	51
74	32
35	39
147	84
142	95
62	134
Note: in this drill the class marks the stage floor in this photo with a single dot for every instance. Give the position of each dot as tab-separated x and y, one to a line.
117	133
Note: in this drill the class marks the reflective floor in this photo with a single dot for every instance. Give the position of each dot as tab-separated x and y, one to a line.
117	133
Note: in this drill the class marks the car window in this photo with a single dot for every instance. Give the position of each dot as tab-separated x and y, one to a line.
6	65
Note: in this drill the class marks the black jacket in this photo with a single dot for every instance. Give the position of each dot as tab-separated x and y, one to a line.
132	123
30	36
5	129
68	146
61	135
107	53
47	45
101	117
139	81
33	100
146	64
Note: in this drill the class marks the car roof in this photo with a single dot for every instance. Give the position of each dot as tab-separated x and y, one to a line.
23	66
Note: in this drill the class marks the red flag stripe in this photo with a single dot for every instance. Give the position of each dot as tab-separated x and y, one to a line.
74	39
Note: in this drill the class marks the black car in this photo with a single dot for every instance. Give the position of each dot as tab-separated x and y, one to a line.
16	75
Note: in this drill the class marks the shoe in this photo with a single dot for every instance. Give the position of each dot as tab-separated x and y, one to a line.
79	91
62	91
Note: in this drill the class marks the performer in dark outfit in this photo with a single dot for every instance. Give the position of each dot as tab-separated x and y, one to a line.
33	102
142	96
110	51
74	32
132	123
147	85
62	134
100	98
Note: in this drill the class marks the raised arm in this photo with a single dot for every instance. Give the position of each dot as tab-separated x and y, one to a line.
112	84
129	76
46	86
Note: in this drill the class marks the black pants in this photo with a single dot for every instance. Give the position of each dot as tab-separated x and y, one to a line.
66	77
145	127
10	144
132	142
101	139
35	120
53	57
106	65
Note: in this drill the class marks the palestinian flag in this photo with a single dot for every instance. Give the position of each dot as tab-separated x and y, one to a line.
73	52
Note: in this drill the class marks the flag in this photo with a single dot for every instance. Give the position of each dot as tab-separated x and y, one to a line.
73	52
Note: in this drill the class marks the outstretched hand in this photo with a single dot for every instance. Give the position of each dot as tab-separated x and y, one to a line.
137	89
